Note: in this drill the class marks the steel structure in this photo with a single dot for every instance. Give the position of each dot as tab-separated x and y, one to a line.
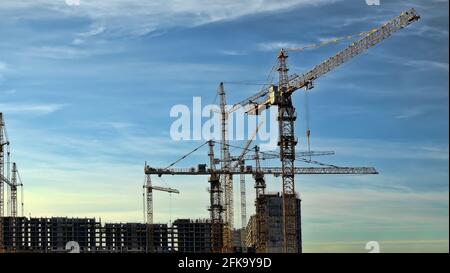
276	171
227	179
15	183
4	155
4	173
148	188
240	163
261	220
216	207
280	96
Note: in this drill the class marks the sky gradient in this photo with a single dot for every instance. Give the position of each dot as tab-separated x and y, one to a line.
86	93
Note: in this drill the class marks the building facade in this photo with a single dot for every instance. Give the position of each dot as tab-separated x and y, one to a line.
273	215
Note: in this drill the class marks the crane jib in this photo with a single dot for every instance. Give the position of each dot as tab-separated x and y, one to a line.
262	99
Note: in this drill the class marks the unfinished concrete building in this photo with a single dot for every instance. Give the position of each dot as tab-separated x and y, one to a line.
251	234
132	237
238	242
22	234
192	236
273	208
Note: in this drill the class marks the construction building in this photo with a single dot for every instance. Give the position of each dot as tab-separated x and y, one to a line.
132	237
251	234
22	234
192	236
273	215
238	242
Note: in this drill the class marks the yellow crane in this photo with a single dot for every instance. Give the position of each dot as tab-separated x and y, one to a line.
4	153
16	182
148	209
281	96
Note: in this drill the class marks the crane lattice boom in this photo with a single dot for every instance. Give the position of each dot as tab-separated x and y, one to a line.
276	171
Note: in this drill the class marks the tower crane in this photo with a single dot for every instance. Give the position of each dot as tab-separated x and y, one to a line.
15	183
281	96
4	158
4	153
149	188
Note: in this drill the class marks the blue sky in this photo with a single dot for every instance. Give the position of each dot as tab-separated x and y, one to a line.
86	93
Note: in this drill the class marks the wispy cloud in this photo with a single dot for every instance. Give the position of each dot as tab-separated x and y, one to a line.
78	41
421	64
92	32
82	37
426	31
9	92
376	148
57	52
277	45
69	52
350	21
233	52
427	64
411	113
144	17
41	109
3	66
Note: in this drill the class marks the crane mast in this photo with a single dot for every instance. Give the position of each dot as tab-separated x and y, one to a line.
14	185
4	152
261	217
226	180
216	208
287	143
3	170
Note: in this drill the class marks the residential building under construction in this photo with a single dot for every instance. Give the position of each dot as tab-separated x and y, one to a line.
51	235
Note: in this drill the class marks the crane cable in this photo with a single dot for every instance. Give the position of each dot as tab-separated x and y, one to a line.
143	203
186	155
232	146
196	149
307	122
317	163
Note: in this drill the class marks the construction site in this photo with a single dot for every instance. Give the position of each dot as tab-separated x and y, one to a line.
276	226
